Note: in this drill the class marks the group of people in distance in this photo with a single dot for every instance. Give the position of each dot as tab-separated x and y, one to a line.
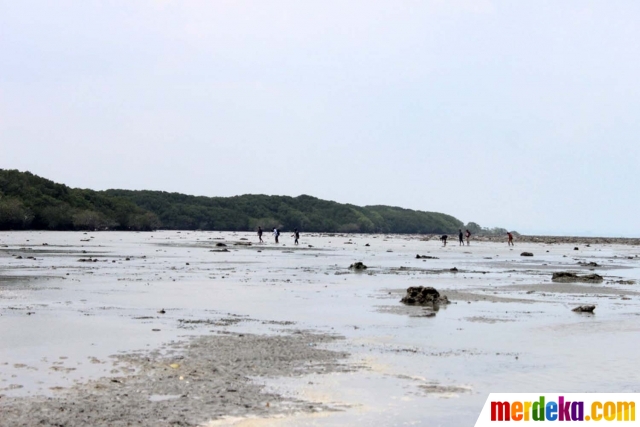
276	235
467	234
461	236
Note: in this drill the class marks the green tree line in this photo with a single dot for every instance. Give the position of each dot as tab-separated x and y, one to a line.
31	202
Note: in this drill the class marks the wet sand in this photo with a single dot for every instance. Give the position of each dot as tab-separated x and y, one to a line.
168	328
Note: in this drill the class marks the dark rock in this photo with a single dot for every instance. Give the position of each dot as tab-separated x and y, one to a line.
367	244
220	244
584	309
576	249
424	295
567	277
162	311
426	257
358	266
454	270
526	254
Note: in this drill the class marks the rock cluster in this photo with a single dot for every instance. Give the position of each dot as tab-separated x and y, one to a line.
566	277
584	309
357	266
424	295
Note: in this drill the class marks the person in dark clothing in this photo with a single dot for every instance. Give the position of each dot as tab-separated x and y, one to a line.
444	239
461	237
468	234
510	236
260	234
296	235
276	234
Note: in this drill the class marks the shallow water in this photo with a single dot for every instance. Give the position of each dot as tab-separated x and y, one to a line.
509	328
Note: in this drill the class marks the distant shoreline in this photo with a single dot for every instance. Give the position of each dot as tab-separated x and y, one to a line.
578	240
564	239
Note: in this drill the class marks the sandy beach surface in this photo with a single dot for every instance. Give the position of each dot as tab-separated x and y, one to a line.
214	329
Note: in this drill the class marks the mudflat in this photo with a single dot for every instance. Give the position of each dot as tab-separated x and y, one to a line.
214	328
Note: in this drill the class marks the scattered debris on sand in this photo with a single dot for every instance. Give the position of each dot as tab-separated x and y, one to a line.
424	295
589	264
567	277
623	282
357	266
450	390
426	257
201	379
584	309
526	254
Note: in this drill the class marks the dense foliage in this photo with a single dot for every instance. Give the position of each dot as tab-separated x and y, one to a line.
247	212
30	202
485	231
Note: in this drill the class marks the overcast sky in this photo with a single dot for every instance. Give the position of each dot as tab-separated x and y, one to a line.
519	114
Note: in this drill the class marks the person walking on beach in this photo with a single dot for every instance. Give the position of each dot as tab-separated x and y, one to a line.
260	234
510	236
276	234
296	235
444	239
468	234
460	237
